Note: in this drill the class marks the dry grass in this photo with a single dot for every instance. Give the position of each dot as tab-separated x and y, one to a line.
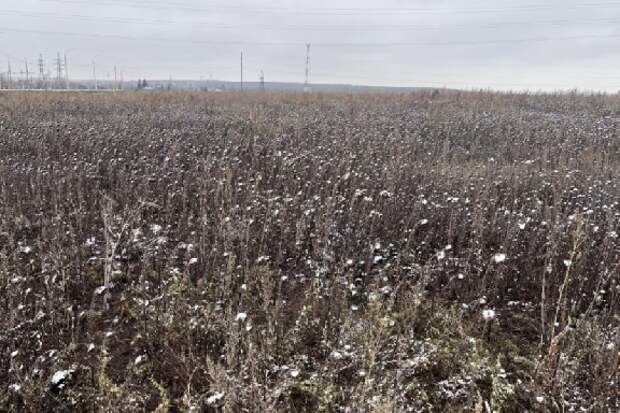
290	252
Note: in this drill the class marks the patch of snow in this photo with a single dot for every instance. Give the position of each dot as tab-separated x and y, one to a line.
100	290
216	397
262	259
488	314
60	377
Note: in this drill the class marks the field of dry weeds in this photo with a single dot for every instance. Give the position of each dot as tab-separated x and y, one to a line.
310	253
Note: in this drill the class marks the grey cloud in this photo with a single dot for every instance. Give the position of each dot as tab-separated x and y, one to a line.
451	43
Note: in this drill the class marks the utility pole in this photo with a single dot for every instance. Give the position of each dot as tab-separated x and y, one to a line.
58	70
306	84
262	80
242	71
115	78
66	73
27	85
10	73
41	71
95	75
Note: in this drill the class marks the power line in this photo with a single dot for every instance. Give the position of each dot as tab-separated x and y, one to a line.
332	44
301	27
341	11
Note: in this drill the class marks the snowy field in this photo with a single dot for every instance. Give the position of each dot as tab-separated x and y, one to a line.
257	252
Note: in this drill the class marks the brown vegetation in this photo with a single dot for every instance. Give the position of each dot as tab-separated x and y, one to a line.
293	252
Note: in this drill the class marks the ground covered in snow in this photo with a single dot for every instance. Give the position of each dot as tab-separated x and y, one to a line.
249	252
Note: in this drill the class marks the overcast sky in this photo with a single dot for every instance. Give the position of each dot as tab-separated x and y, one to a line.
517	44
